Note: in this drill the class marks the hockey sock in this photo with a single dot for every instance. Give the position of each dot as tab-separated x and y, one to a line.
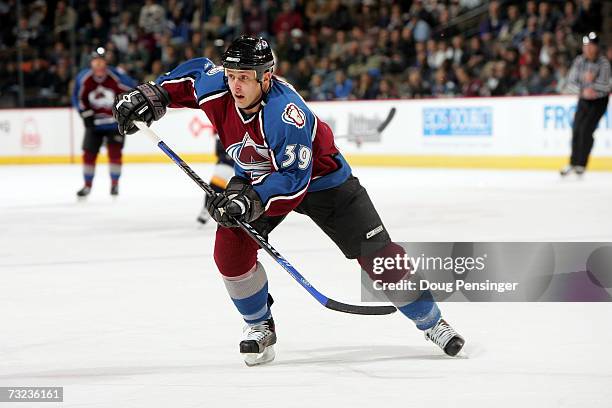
423	312
89	167
114	158
249	292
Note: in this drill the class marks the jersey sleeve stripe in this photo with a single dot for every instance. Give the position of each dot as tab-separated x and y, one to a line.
272	199
314	127
211	96
259	179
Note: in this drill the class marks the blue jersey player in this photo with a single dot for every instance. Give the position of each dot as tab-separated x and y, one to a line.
285	160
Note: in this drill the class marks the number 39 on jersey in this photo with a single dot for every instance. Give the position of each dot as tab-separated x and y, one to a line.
303	156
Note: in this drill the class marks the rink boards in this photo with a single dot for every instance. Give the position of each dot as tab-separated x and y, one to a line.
507	132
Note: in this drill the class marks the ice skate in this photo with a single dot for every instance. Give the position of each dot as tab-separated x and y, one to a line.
571	169
258	344
445	337
566	171
84	192
114	191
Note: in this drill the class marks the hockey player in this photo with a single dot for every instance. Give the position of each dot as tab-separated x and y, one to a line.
224	170
94	92
286	160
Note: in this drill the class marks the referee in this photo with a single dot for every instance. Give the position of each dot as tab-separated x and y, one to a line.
590	78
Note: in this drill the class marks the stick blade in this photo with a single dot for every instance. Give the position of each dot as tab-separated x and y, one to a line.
359	309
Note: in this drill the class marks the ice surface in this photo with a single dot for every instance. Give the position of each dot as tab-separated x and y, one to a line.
119	301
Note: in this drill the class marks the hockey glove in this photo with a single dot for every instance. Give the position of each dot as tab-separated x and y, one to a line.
146	103
88	118
238	202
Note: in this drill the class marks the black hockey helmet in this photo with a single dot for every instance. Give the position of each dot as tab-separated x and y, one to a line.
249	53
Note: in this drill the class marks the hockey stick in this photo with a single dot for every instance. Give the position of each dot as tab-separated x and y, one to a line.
377	131
262	242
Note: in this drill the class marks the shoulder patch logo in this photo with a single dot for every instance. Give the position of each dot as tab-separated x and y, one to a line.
293	115
214	70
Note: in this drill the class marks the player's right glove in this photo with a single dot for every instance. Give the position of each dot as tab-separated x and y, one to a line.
146	103
238	202
88	118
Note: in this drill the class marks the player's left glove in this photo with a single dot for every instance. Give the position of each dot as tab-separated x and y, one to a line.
239	201
146	103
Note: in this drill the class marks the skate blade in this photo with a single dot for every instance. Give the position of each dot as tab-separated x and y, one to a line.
254	359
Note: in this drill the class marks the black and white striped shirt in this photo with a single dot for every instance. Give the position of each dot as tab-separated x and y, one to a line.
601	71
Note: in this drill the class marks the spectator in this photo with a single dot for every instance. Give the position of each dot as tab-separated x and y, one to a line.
375	43
366	88
415	87
525	84
499	83
443	86
288	19
467	86
396	20
475	55
152	17
60	84
420	29
255	21
317	89
458	55
343	86
179	27
561	79
589	16
544	83
64	20
338	16
157	69
445	30
492	24
547	20
569	16
512	26
548	49
531	9
530	31
366	17
296	45
98	33
302	74
386	90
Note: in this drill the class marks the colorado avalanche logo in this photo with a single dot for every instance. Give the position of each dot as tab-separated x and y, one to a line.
294	116
253	158
101	98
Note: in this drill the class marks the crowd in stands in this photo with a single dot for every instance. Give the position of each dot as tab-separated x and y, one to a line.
328	49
